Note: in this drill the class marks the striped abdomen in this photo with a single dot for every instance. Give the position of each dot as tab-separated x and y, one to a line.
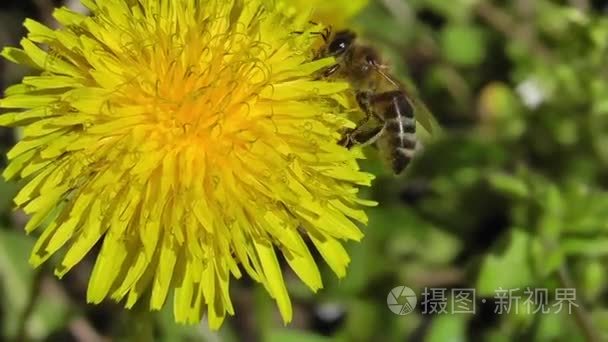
398	142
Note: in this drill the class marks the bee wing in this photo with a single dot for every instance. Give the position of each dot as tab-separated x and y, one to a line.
380	70
422	113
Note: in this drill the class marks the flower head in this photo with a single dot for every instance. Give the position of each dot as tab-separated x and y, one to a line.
192	141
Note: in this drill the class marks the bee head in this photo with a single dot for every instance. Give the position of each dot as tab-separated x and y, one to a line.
340	43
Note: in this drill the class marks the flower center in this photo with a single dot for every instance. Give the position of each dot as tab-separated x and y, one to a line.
199	87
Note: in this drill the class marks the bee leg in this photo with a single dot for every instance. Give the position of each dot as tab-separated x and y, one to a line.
327	72
364	99
366	132
362	136
331	70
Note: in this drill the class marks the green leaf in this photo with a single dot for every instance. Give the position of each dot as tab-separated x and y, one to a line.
7	191
50	314
386	30
437	246
361	270
16	275
497	336
547	260
587	212
509	185
291	335
594	280
558	327
387	221
448	328
551	221
600	320
591	247
457	10
363	319
463	44
550	328
508	270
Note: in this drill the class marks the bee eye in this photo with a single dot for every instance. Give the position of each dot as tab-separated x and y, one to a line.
342	41
338	46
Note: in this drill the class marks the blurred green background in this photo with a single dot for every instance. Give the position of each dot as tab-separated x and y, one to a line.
512	194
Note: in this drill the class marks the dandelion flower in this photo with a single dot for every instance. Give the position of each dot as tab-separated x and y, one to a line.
192	141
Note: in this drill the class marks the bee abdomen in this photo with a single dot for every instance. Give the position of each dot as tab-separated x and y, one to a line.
400	129
401	124
398	105
400	159
402	132
402	146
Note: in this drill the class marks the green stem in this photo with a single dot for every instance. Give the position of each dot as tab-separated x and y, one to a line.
582	317
34	294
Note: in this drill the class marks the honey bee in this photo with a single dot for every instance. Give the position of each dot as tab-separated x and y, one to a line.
390	111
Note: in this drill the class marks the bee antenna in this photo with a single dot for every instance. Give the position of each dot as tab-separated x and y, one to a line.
324	34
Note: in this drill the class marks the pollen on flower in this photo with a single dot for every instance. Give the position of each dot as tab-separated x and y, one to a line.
192	140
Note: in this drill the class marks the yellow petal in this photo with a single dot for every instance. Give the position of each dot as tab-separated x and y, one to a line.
272	271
